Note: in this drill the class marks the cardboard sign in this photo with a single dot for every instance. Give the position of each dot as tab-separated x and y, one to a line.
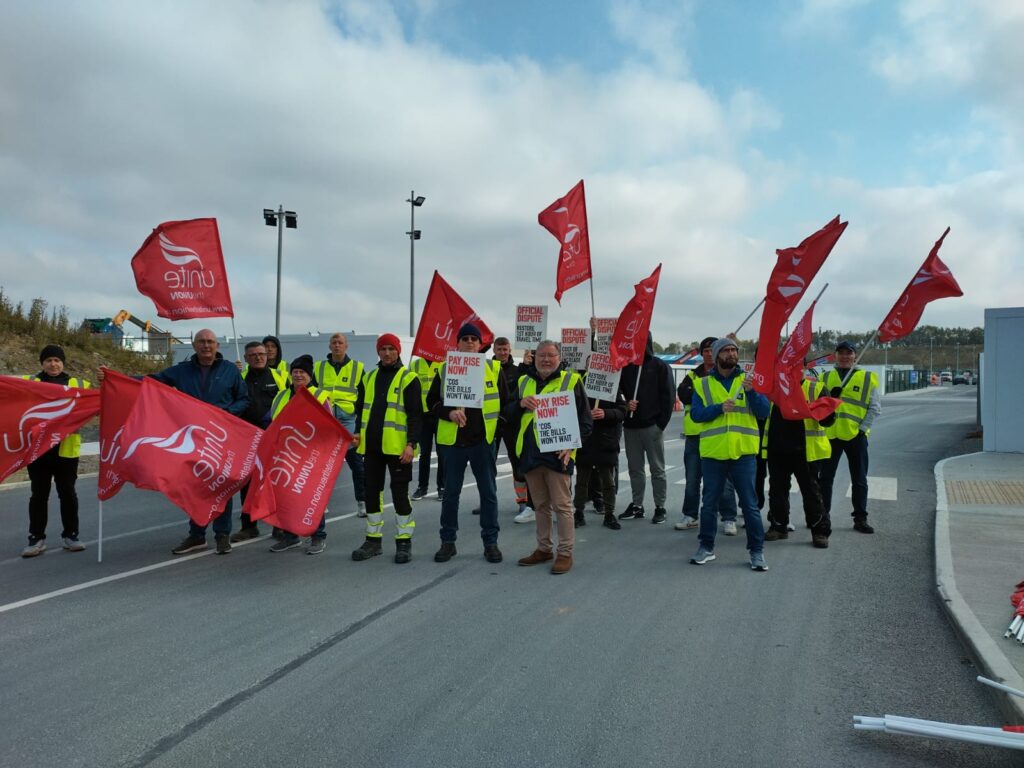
604	327
531	324
464	379
575	347
557	425
602	382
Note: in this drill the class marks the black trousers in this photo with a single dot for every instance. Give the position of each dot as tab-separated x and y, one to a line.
782	467
376	464
52	468
588	476
428	435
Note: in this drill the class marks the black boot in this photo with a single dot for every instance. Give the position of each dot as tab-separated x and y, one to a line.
370	548
578	519
403	550
611	522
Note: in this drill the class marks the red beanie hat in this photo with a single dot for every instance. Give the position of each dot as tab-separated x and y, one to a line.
389	339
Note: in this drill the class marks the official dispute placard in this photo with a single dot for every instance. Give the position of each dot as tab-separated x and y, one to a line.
602	381
464	379
531	324
604	327
575	347
557	425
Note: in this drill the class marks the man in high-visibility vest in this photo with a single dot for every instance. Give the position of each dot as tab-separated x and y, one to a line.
465	436
727	408
549	473
339	376
425	371
860	407
691	452
389	421
793	447
58	466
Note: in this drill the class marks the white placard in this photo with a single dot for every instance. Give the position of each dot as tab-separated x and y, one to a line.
464	379
557	425
604	327
575	347
602	382
531	324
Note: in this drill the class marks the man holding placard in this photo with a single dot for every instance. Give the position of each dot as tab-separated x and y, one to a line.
554	419
466	396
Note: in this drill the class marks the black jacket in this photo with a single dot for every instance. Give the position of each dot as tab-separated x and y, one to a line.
474	432
601	449
375	425
262	387
655	396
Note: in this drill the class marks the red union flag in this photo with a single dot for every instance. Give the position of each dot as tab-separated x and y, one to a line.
298	461
794	271
932	281
444	312
118	394
629	339
787	392
194	453
566	219
181	268
34	417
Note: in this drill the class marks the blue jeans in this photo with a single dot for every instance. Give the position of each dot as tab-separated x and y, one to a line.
480	459
742	472
221	524
856	451
691	496
352	458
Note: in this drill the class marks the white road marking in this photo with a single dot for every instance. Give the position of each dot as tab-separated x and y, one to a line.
879	488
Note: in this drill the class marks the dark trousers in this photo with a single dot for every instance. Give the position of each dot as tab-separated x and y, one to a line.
428	434
856	451
244	519
221	523
588	476
782	467
480	459
52	468
376	465
355	462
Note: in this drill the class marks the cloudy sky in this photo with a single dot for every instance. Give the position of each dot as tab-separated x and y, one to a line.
708	134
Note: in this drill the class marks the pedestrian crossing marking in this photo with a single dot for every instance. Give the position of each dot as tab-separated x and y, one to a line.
879	489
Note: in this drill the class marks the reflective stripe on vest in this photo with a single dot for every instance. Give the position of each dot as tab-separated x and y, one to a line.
341	387
282	398
731	435
527	388
447	430
854	402
282	378
70	446
395	435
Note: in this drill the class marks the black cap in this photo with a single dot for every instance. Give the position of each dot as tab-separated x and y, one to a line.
706	343
52	350
846	344
304	363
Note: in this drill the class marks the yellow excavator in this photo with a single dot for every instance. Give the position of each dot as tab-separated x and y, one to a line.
145	325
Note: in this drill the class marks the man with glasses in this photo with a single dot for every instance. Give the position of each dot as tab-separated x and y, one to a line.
465	436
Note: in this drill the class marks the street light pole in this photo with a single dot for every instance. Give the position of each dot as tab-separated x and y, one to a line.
280	219
414	235
957	368
931	363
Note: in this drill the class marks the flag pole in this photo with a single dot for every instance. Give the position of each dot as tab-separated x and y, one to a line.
636	389
593	311
747	318
99	538
860	354
238	352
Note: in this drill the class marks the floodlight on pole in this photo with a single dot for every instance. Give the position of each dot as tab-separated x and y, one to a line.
280	219
414	202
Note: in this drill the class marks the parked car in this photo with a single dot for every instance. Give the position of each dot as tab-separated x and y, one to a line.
946	376
960	379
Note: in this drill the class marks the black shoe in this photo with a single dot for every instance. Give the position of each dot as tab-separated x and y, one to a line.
419	493
370	548
659	515
249	532
819	541
776	534
223	543
633	512
476	511
611	522
492	554
188	544
403	550
445	553
440	494
578	520
860	525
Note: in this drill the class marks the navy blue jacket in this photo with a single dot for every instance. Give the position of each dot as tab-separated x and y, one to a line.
222	386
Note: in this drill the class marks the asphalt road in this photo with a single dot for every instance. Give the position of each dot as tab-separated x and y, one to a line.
634	658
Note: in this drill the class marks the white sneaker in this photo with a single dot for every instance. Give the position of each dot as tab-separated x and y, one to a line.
360	509
729	527
687	523
34	550
72	544
526	516
790	527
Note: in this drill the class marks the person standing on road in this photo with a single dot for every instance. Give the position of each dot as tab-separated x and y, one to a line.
389	423
262	383
548	474
860	407
691	452
792	448
207	376
648	413
425	372
728	408
465	436
339	376
58	466
511	371
598	458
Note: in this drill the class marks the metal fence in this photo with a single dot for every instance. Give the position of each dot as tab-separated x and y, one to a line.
902	380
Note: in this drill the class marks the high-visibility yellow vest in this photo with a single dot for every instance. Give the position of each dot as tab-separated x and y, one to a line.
396	421
565	382
731	435
816	442
282	398
691	427
70	446
447	430
425	372
341	387
281	374
854	406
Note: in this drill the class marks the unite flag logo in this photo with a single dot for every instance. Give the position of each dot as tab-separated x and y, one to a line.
566	219
180	442
171	251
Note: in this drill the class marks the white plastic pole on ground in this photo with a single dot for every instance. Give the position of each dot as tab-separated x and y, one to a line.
99	538
1000	686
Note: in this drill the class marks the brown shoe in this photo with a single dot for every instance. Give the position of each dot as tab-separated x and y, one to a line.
818	541
563	564
536	557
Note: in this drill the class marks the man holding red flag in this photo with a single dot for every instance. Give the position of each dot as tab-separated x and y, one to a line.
566	219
